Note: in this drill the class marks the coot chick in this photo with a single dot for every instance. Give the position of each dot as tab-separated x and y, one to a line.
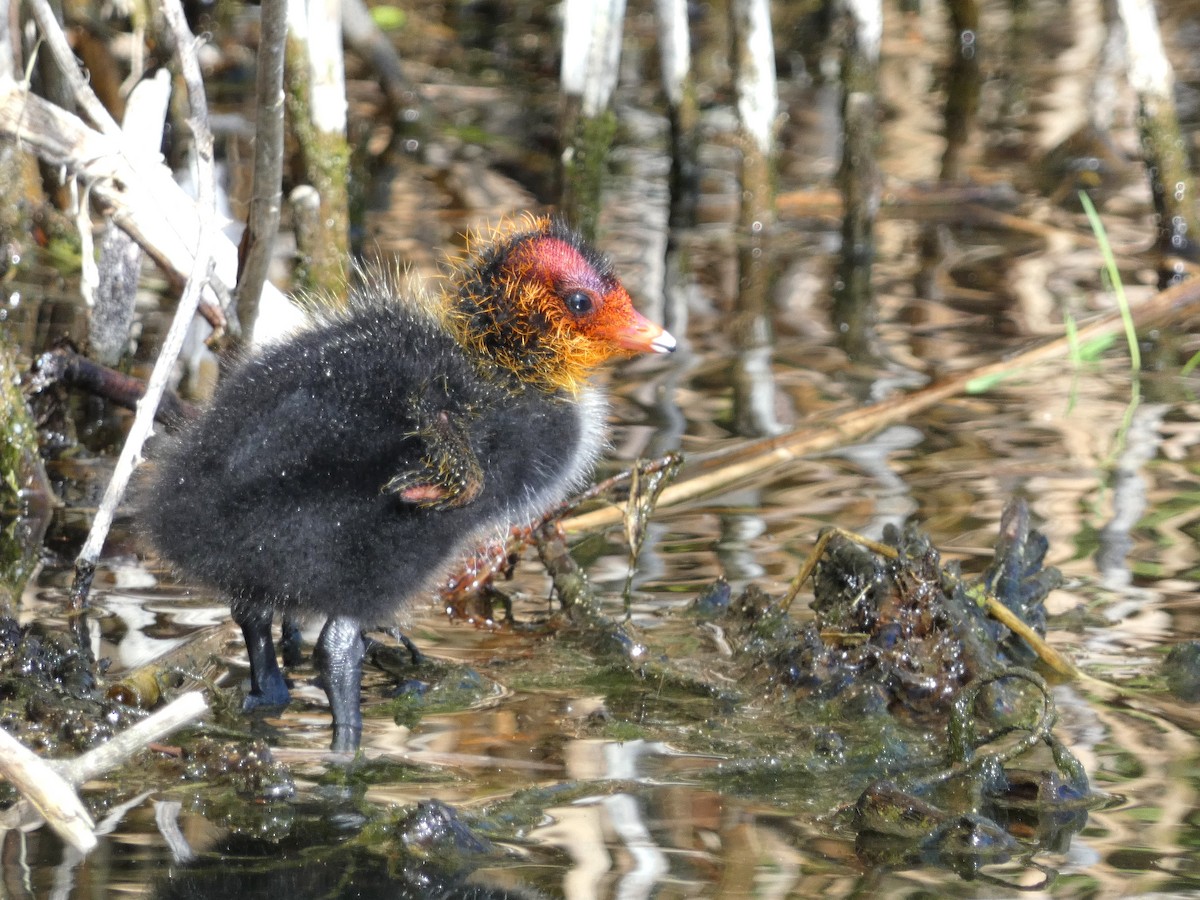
343	470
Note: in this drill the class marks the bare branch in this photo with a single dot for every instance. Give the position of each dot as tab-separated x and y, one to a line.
56	41
263	220
202	262
47	791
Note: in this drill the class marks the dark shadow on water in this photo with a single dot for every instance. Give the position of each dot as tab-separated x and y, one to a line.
436	856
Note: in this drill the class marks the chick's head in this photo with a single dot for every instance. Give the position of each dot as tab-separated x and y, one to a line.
544	304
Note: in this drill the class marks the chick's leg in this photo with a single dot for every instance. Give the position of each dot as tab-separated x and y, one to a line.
267	687
290	641
340	659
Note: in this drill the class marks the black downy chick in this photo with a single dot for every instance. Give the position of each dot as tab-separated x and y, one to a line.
343	470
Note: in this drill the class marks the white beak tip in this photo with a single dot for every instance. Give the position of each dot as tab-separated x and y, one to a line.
664	343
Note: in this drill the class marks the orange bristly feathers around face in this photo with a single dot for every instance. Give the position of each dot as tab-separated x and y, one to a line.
546	306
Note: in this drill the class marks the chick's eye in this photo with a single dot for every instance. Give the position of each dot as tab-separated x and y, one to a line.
578	303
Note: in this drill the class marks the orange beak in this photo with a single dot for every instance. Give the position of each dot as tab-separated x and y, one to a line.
643	336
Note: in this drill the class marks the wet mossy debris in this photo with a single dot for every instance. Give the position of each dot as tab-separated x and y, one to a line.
53	699
919	724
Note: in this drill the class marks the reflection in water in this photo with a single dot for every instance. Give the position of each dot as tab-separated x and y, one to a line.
1129	500
752	379
247	867
964	80
854	311
737	550
893	500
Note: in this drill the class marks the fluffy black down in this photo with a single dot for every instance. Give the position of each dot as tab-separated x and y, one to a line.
274	495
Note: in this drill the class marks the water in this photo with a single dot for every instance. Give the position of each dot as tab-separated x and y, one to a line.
1113	489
